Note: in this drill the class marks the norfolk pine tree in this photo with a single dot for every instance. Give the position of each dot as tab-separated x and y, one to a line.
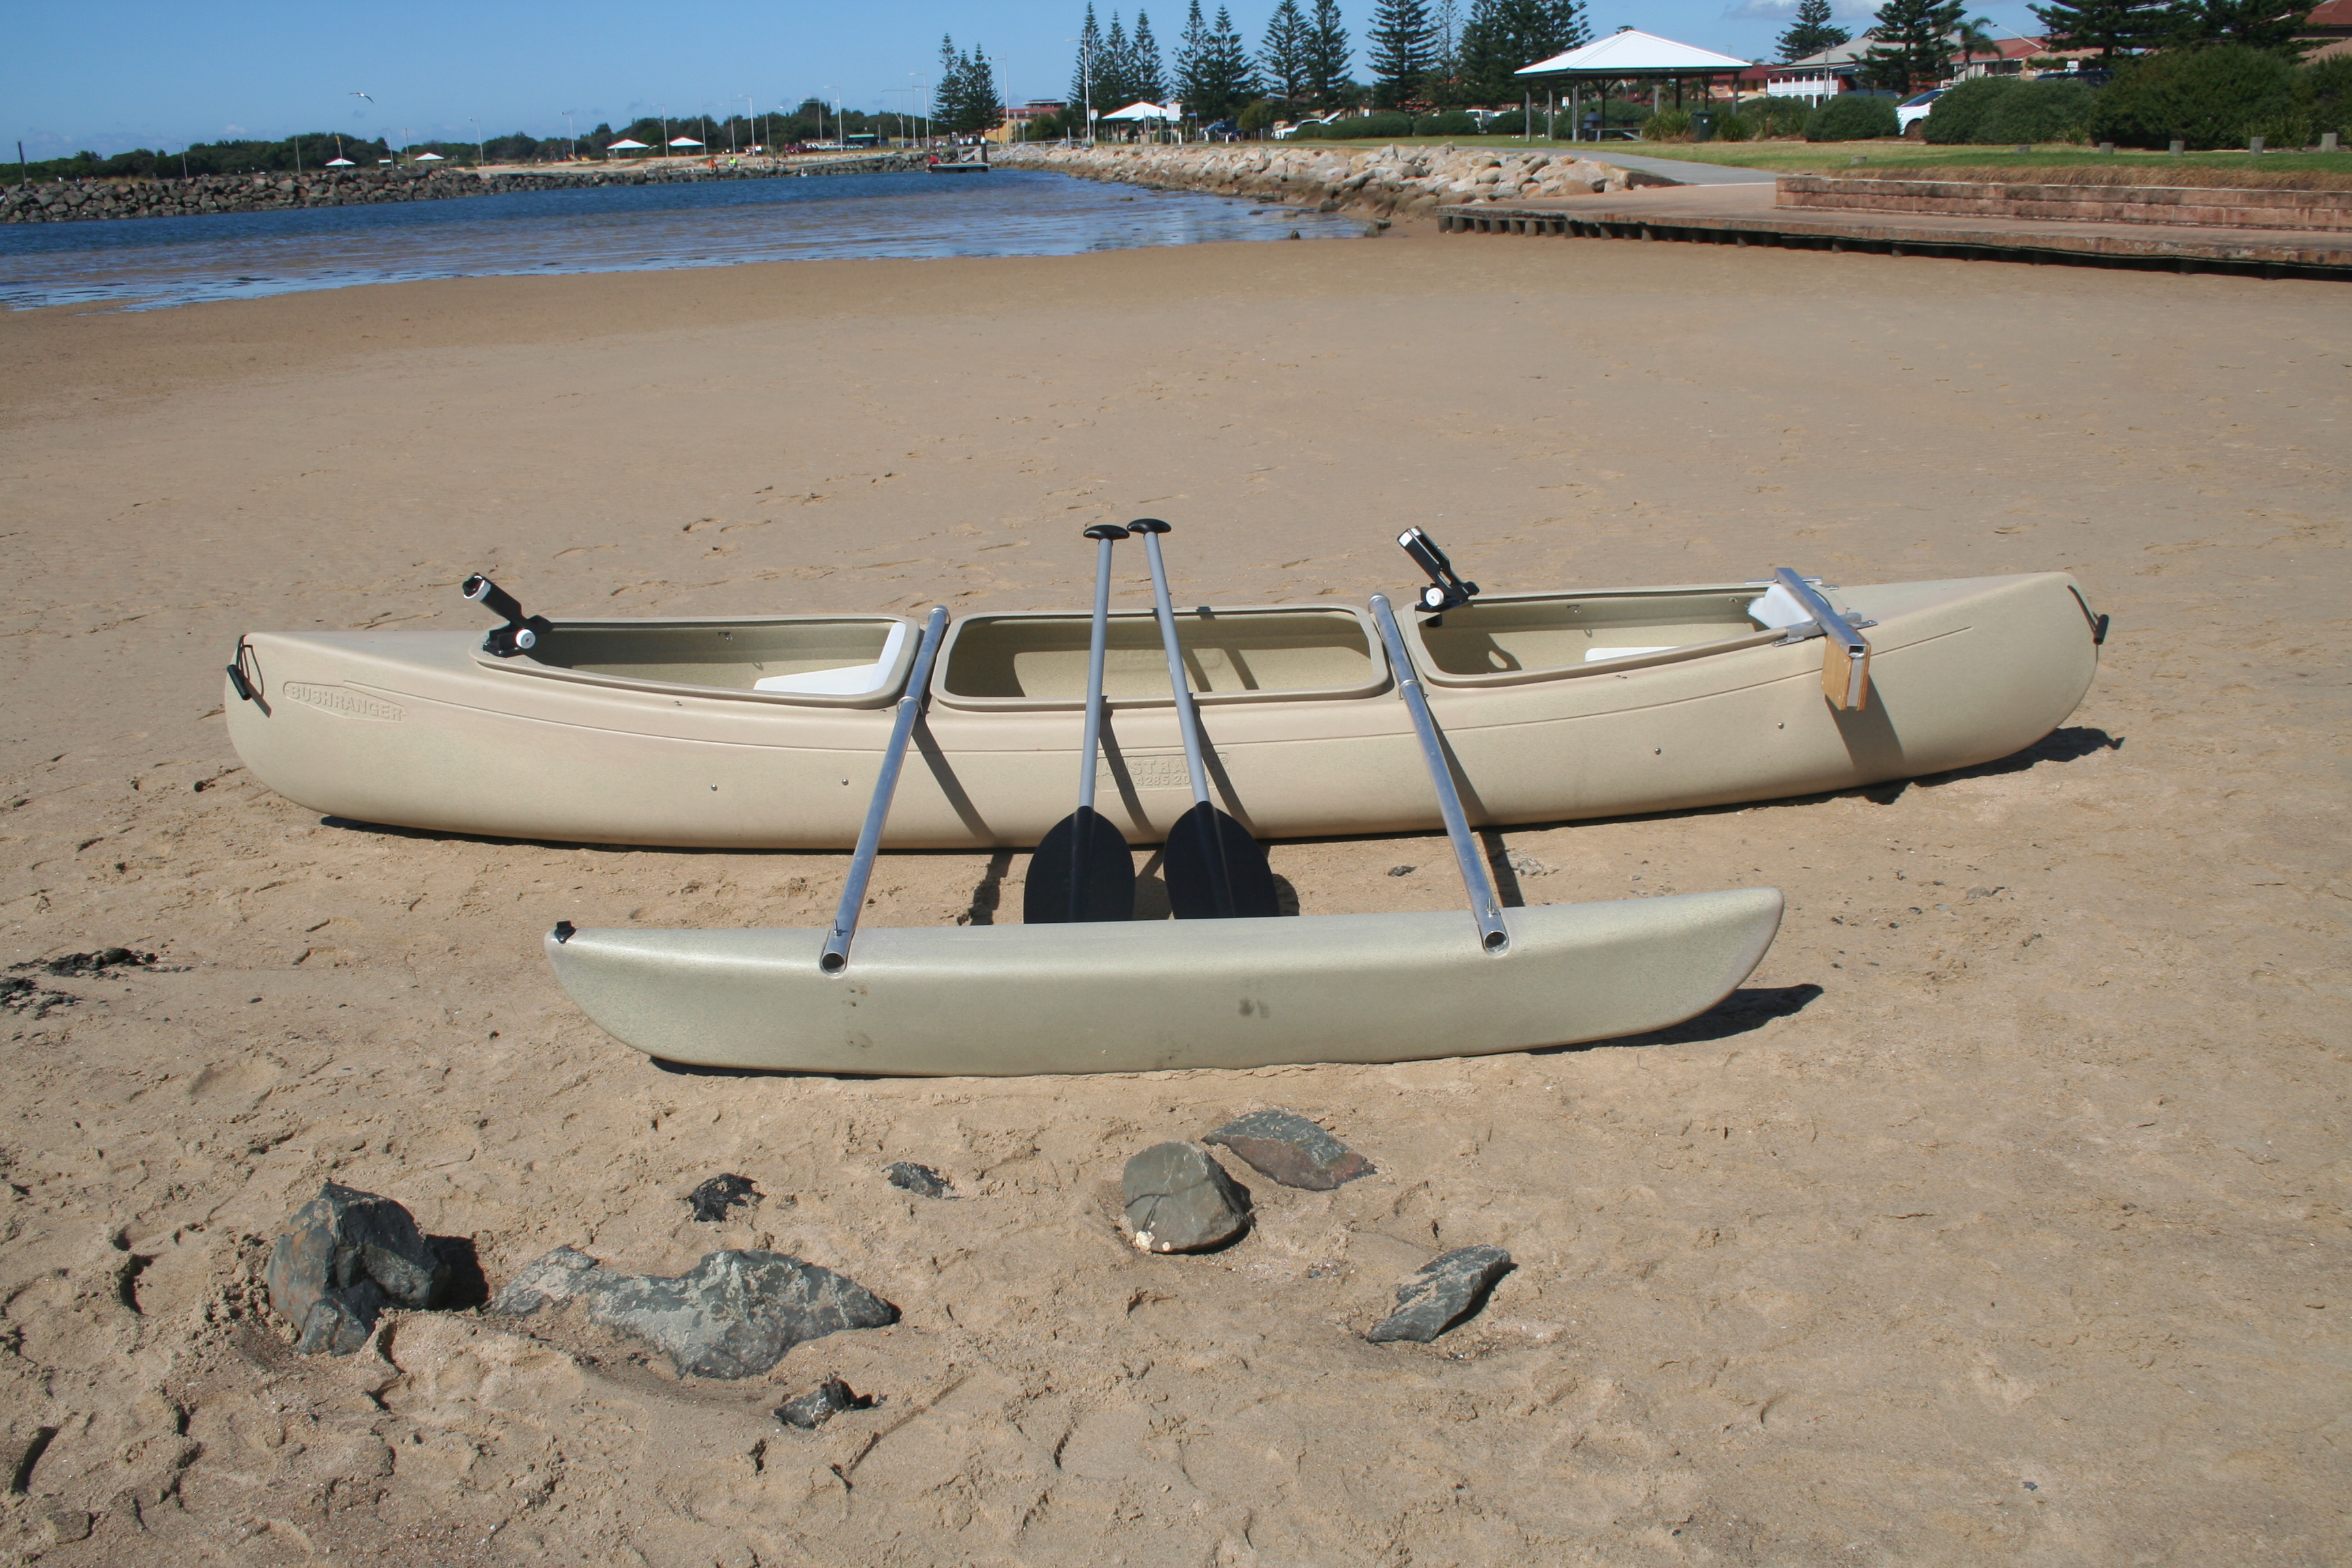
1912	44
1810	33
1287	54
2111	26
1400	51
1328	52
1503	35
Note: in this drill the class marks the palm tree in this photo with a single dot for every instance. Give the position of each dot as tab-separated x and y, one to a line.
1974	39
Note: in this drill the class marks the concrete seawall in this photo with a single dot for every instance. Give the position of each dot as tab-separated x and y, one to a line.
76	201
1389	181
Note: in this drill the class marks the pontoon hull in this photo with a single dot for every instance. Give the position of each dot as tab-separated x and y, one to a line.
419	730
992	1001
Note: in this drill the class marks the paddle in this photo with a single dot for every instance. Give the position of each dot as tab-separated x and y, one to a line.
1083	870
1215	869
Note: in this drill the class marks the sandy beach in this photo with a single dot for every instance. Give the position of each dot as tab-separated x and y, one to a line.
2000	1217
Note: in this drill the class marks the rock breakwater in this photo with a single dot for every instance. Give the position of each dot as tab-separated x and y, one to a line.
82	200
1388	182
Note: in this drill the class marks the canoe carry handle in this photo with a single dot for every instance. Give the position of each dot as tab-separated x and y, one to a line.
520	631
1446	590
246	682
1845	661
869	837
1484	907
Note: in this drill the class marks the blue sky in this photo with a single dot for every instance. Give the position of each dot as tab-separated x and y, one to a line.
162	76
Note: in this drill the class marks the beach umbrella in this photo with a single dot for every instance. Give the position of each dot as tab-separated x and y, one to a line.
683	141
625	144
341	163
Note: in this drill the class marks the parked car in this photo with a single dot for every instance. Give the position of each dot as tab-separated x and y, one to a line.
1912	111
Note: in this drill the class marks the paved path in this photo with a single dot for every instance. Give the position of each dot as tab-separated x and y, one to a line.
1689	174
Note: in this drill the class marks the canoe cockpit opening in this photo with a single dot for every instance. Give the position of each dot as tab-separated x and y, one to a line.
1040	660
854	660
1542	636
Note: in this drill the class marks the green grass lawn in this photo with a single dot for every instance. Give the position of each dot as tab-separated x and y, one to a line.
1815	157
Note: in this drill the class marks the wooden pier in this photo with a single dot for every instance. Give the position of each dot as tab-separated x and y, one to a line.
1746	215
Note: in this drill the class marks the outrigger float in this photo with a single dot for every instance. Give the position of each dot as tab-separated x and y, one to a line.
769	732
1132	996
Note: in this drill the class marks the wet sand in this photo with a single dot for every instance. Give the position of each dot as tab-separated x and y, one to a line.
2000	1217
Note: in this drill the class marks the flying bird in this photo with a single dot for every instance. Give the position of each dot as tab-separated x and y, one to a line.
362	95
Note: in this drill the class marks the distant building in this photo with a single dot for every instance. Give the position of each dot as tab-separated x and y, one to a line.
2329	27
1015	119
1834	71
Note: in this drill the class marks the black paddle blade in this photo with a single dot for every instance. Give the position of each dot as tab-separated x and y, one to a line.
1083	871
1216	871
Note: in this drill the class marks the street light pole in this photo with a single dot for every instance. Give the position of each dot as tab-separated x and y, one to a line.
570	136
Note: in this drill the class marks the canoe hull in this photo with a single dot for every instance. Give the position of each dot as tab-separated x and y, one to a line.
411	728
996	1001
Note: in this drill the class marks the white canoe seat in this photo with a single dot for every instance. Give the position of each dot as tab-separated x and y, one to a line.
1596	655
842	679
1778	609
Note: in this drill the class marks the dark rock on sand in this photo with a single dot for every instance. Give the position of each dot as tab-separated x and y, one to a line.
1292	1150
820	1405
348	1255
1179	1199
920	1179
734	1314
1448	1289
97	963
713	1198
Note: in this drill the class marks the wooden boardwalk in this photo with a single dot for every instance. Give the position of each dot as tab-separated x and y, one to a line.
1745	214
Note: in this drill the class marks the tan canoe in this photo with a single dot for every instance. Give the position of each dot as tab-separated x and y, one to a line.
657	732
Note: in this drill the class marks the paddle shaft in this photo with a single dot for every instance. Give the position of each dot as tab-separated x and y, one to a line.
1484	907
1095	651
1188	719
836	957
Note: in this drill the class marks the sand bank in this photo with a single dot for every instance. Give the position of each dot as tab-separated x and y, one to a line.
2000	1217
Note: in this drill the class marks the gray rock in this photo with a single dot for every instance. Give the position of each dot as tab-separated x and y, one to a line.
820	1405
734	1314
348	1255
920	1179
1179	1199
1292	1150
1448	1289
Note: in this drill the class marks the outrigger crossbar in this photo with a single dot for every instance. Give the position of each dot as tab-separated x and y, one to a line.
1484	907
835	956
1845	665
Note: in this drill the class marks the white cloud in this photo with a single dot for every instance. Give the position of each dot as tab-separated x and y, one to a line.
233	130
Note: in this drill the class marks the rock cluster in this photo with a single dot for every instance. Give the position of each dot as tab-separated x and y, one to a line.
1389	181
919	1180
68	201
734	1314
348	1255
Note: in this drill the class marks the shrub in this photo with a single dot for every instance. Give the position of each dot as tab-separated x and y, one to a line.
1384	126
2044	110
2211	97
1954	120
1667	125
1733	128
2323	92
1851	117
1513	123
1447	122
1776	116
